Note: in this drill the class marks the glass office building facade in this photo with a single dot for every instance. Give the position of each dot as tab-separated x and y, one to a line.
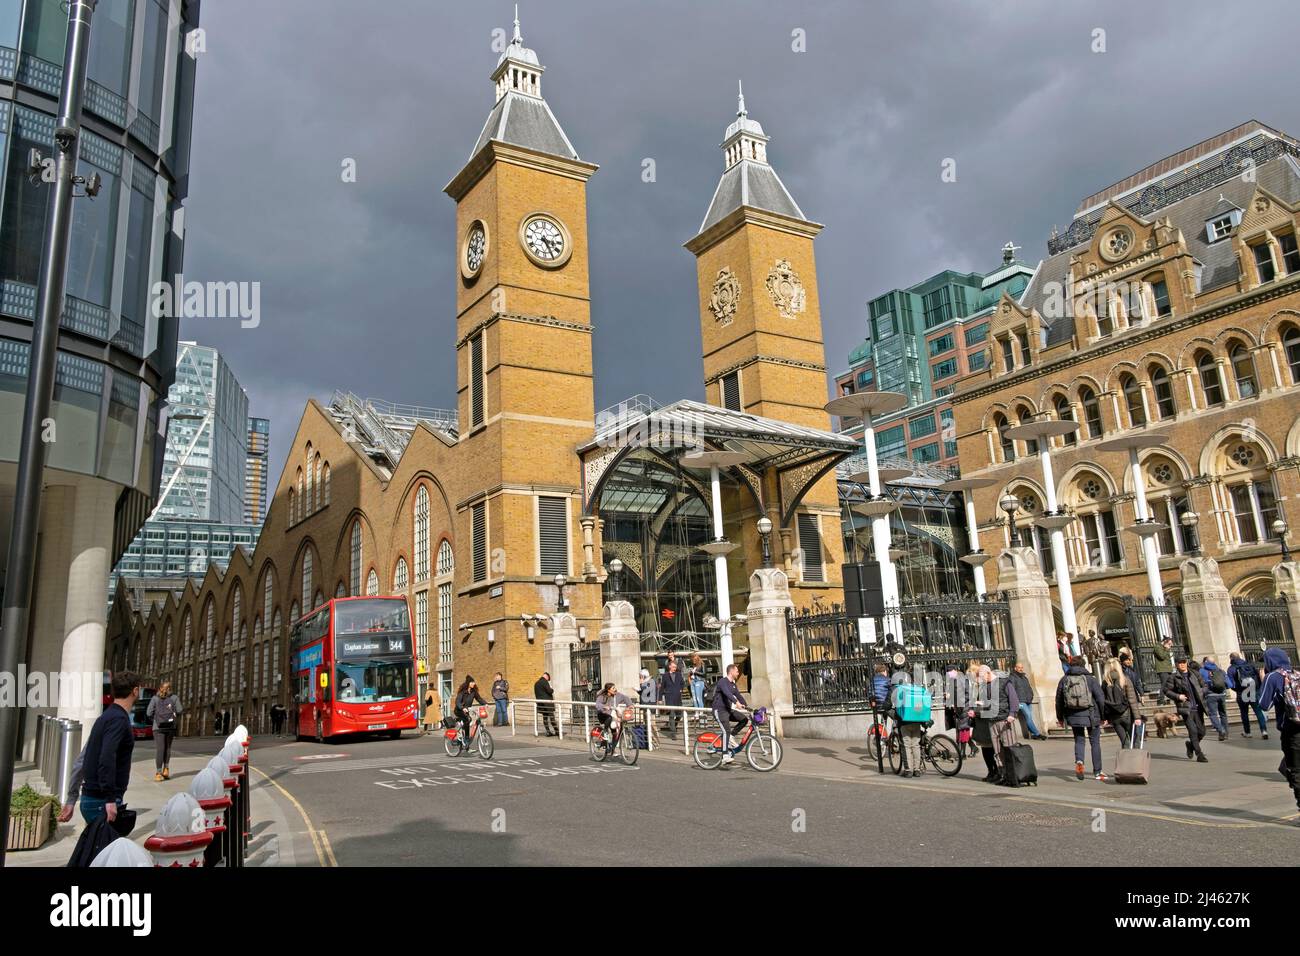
257	473
115	359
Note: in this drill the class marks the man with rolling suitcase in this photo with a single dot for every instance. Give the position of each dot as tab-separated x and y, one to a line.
1134	763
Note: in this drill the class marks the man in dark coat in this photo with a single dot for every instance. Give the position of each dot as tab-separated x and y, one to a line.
1025	693
1163	655
1183	686
1079	706
1126	664
107	758
670	693
543	690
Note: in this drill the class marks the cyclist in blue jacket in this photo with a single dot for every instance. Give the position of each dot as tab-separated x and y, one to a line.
730	709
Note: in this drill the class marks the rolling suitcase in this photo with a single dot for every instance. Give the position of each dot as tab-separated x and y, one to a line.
1134	764
1018	769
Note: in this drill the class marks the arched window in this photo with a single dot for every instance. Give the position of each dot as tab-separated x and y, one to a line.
188	627
1007	445
318	598
1137	413
1164	391
276	640
356	558
318	499
325	484
309	503
1291	345
1210	381
1248	490
1098	534
422	535
445	568
293	506
307	582
372	584
1243	370
401	580
210	629
1031	445
1065	414
340	590
293	612
1091	411
300	511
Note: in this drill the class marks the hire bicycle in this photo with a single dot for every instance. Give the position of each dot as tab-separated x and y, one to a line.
762	748
619	739
454	742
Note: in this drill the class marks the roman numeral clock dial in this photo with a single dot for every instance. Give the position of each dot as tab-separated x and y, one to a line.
545	240
473	250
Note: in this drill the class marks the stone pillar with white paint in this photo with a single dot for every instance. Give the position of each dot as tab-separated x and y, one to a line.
769	643
1033	628
1207	609
620	647
557	651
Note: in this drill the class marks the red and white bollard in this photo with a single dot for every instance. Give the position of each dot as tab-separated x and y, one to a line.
221	768
180	838
209	790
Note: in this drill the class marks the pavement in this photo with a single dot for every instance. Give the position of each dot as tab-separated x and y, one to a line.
543	801
272	842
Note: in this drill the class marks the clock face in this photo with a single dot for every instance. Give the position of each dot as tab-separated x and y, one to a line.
545	240
474	250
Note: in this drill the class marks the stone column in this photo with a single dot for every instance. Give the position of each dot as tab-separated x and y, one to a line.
49	602
1286	584
557	649
1033	628
1207	608
589	569
85	616
769	643
620	647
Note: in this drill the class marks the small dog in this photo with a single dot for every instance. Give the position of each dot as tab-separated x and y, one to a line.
1166	725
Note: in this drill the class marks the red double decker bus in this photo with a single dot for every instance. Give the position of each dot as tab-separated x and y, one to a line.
353	665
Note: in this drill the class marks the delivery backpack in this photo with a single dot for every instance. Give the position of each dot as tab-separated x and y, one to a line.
1291	694
1077	694
912	703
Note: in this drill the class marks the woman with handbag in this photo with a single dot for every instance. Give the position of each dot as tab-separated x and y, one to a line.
164	709
432	709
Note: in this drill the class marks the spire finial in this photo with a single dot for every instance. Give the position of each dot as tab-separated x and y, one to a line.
518	38
740	89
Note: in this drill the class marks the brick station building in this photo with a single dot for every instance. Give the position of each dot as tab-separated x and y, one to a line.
1171	306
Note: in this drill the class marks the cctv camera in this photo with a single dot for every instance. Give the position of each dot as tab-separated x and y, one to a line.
65	136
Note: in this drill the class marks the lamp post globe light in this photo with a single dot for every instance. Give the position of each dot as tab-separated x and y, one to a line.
765	533
616	573
1280	529
560	581
1189	519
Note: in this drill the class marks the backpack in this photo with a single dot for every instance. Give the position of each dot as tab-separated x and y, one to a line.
912	703
1116	699
1218	682
1246	681
1291	694
1077	695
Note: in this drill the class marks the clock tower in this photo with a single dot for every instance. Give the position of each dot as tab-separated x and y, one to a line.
760	321
523	371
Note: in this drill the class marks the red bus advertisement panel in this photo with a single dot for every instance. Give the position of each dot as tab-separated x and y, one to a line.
354	668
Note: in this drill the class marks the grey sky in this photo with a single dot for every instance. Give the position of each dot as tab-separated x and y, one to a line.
357	278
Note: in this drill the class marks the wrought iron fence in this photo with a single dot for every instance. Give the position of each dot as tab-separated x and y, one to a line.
1263	623
832	666
1148	625
584	670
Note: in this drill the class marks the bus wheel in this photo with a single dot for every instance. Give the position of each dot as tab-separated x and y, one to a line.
394	735
320	731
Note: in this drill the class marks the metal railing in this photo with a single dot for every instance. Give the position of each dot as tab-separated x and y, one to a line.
1263	623
1148	625
571	714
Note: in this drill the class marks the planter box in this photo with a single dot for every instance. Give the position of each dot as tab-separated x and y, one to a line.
28	829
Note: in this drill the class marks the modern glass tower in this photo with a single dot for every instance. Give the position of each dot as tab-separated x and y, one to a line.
256	474
115	359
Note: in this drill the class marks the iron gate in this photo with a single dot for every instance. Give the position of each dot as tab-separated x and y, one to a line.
1263	623
1148	625
584	671
831	669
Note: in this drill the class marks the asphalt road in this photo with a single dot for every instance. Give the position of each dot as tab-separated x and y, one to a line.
404	802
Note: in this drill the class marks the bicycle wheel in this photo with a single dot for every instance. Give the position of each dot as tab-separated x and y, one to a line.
873	741
451	745
597	747
485	745
627	746
763	752
943	754
894	749
707	756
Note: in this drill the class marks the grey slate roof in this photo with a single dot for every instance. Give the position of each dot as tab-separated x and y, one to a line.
750	183
1279	175
526	121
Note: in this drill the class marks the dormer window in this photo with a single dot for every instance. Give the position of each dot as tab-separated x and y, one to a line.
1221	224
1160	295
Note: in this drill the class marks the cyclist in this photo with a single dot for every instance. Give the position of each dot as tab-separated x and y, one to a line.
609	702
467	695
728	706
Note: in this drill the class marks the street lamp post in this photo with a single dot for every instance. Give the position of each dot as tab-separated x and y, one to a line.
616	572
765	533
1280	529
719	547
1145	527
977	556
867	406
1188	520
560	581
1054	520
40	383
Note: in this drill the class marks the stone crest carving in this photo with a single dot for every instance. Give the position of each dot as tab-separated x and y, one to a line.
726	293
786	290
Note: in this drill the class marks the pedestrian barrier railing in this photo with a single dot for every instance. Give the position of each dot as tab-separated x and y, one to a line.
579	716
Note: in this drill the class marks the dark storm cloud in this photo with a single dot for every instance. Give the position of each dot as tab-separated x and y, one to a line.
357	278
